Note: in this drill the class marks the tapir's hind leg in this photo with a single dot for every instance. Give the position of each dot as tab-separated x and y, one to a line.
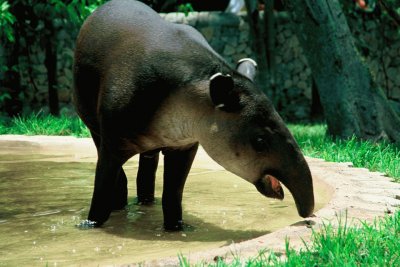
146	177
177	164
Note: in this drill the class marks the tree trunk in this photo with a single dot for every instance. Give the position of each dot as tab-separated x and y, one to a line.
257	33
352	102
269	39
12	80
51	66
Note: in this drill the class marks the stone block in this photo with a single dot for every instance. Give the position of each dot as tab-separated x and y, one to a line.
249	50
208	33
241	47
287	84
228	50
302	75
287	33
221	19
280	38
244	36
395	105
239	56
64	95
394	75
295	79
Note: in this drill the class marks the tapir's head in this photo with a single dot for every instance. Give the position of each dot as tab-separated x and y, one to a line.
246	136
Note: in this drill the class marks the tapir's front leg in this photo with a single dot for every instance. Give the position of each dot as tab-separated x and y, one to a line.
120	197
107	173
177	164
146	177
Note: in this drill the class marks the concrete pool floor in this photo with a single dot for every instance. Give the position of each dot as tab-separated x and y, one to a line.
354	191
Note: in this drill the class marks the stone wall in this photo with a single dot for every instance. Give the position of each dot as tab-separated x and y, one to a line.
228	34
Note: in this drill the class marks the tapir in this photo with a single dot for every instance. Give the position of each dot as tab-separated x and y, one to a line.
143	85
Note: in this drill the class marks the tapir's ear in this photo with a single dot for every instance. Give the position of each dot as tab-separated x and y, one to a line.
222	93
247	67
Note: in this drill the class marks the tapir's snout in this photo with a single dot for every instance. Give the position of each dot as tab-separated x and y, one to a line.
299	184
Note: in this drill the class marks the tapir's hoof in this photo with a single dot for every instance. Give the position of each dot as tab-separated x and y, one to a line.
87	224
149	200
173	227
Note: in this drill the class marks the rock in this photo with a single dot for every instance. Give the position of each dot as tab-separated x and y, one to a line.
386	61
295	79
208	33
280	38
303	58
229	50
248	51
306	91
239	56
303	85
395	105
240	48
374	66
287	84
303	76
244	36
64	95
394	75
370	25
287	33
287	55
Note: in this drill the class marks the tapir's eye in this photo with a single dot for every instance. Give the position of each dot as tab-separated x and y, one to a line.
259	144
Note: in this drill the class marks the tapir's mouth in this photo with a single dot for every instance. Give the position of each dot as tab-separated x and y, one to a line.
269	186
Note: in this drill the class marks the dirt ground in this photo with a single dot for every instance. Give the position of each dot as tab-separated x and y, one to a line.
356	193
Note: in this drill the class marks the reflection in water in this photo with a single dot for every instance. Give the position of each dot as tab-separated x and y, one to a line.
43	197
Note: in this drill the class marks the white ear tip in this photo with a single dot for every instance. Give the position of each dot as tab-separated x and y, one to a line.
248	59
215	75
219	74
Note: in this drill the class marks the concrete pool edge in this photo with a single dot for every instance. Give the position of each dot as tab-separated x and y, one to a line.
357	192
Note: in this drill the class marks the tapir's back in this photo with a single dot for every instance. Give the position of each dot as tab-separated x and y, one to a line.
125	40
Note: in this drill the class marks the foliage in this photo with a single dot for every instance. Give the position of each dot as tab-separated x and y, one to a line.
27	24
185	8
6	21
4	96
387	10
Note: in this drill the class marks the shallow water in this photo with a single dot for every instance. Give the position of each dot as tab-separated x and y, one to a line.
45	193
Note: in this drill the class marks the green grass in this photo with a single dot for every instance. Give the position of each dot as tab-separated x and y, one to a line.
39	124
383	157
370	244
